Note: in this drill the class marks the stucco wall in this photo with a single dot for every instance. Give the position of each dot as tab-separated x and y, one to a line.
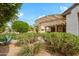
42	29
72	24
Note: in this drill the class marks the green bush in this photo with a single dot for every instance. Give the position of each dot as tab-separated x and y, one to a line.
30	50
20	26
26	38
62	43
29	43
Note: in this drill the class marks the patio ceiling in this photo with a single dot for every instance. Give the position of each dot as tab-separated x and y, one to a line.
51	20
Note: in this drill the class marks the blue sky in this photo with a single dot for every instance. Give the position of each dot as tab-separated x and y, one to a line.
30	12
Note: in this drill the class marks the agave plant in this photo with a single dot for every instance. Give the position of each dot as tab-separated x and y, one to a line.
8	38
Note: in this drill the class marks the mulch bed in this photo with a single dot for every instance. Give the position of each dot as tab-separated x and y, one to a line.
4	50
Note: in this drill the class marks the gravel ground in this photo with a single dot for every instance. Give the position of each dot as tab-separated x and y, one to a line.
13	50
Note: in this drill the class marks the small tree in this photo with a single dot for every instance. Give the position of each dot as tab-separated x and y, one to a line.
20	26
8	11
30	28
36	29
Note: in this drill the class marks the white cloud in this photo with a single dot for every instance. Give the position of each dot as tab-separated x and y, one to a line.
20	14
63	8
41	16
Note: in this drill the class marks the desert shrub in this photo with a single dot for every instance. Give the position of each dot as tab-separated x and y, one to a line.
26	38
62	43
29	43
30	50
20	26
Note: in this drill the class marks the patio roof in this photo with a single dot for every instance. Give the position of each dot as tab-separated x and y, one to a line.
69	9
56	19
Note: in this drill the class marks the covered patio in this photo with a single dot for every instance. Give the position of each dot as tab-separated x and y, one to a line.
51	23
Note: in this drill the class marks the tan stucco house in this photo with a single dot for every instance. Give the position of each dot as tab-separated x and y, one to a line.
68	20
72	19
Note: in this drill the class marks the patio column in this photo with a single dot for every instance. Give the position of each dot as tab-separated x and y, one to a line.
55	28
60	28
